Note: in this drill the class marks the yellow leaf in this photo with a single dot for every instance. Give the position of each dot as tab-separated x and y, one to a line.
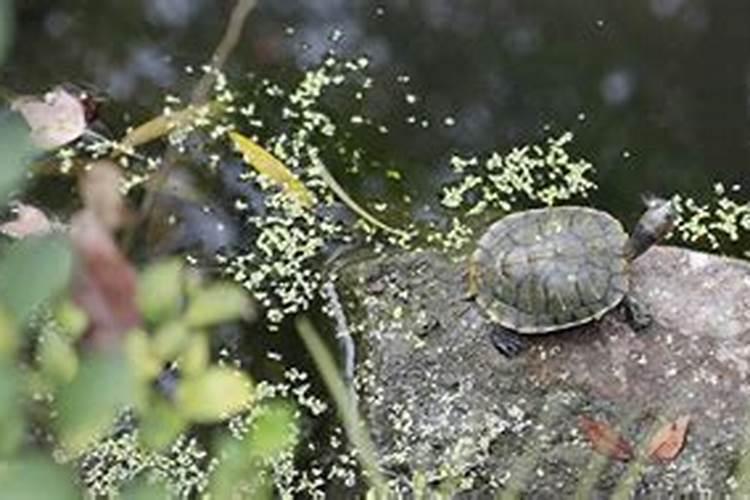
162	125
268	165
214	395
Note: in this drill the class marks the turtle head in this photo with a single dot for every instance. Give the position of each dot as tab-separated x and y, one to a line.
653	225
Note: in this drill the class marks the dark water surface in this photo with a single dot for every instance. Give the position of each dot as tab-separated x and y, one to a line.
655	91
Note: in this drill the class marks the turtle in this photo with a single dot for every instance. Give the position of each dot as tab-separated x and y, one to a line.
545	270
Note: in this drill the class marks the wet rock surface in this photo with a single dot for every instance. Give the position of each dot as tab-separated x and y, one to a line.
442	403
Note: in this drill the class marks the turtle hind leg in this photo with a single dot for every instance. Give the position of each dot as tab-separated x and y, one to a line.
508	342
636	314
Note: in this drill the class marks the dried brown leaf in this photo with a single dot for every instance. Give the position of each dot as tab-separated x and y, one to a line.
30	221
668	441
55	119
605	439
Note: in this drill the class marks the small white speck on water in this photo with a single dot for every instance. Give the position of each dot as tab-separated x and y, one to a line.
336	36
581	117
411	98
449	121
289	31
600	23
626	154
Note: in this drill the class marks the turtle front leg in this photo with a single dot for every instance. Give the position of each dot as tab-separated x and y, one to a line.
636	314
509	343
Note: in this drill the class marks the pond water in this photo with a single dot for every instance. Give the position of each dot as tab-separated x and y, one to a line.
654	91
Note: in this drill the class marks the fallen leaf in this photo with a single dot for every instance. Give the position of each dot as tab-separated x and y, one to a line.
268	165
55	119
605	439
164	124
668	441
29	221
104	282
349	202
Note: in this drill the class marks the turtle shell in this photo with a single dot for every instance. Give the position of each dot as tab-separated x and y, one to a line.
544	270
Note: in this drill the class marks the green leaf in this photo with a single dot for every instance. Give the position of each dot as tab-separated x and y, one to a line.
196	356
214	395
169	340
142	490
15	143
57	358
11	418
160	290
160	425
274	431
144	363
35	478
236	476
89	404
8	337
269	166
347	408
31	271
218	303
72	319
355	207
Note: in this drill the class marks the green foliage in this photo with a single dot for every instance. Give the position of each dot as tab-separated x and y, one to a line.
15	143
11	417
35	477
31	271
144	491
145	364
58	360
72	320
216	304
89	404
274	431
214	395
245	463
86	390
160	290
161	425
8	337
170	339
346	407
196	356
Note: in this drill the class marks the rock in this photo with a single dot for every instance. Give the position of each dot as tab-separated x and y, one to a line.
442	403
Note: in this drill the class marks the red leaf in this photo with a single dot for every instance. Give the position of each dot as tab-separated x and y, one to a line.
29	221
55	119
606	440
104	282
667	443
